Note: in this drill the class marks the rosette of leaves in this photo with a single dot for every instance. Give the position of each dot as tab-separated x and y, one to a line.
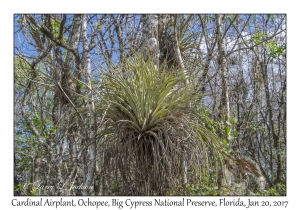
155	139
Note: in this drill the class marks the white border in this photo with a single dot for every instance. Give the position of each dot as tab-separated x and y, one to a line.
8	8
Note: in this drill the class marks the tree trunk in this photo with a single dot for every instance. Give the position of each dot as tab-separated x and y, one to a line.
151	38
93	126
224	103
275	134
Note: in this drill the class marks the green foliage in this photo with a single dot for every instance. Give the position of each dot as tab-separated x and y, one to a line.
149	114
258	37
275	49
217	127
271	46
142	97
21	71
279	190
231	18
99	25
206	188
55	25
205	117
44	126
25	189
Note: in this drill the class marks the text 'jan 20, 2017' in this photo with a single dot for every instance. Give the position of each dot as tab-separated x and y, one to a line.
130	203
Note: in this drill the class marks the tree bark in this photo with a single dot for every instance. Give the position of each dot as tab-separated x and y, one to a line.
93	125
275	134
151	38
224	104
